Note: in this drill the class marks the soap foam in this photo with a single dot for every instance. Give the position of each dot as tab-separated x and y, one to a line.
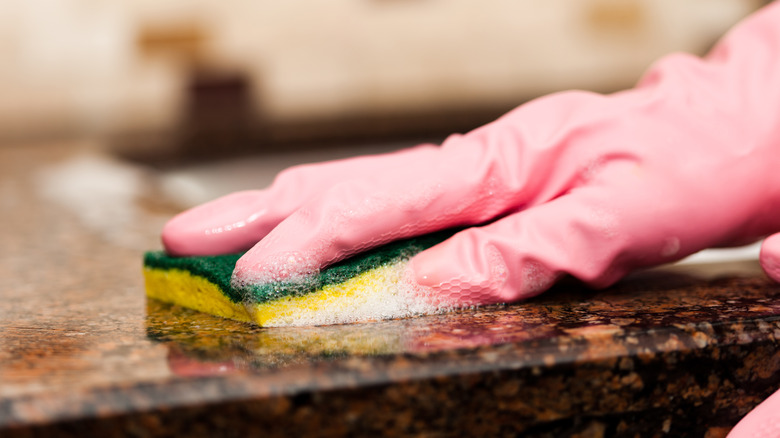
291	269
387	292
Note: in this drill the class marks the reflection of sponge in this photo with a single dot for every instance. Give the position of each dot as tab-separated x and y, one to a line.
368	286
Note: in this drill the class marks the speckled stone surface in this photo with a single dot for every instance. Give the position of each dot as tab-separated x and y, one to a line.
669	352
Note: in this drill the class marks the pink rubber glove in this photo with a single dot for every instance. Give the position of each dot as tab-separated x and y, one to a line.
761	422
578	183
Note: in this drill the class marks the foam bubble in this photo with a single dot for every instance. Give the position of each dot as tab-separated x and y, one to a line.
537	278
290	267
387	292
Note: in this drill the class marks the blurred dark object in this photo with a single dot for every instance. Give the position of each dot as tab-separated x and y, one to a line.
220	121
166	82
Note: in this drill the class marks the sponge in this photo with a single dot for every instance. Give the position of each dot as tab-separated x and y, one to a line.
369	286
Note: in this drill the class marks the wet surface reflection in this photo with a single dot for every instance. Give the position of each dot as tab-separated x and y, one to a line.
650	306
80	341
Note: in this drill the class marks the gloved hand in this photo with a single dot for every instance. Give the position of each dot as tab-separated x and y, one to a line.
578	183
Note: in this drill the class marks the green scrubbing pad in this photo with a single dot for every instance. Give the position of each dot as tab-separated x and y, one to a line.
366	286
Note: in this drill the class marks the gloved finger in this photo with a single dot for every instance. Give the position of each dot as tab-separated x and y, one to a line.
763	421
354	216
523	155
521	160
597	233
770	257
228	224
237	221
523	254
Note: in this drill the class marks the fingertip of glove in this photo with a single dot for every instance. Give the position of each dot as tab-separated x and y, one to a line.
461	277
256	268
176	236
229	224
186	234
770	256
762	421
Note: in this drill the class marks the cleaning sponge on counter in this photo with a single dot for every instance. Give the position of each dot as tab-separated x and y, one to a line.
368	286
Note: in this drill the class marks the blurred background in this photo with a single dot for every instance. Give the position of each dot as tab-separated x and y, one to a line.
105	103
173	81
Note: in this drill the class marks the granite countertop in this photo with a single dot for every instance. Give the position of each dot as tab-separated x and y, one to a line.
669	352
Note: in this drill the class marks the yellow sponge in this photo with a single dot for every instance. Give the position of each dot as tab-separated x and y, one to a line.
369	286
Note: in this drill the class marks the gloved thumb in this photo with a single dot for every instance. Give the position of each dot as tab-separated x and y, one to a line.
770	256
763	421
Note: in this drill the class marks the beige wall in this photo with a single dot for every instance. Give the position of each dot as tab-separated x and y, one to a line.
90	66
